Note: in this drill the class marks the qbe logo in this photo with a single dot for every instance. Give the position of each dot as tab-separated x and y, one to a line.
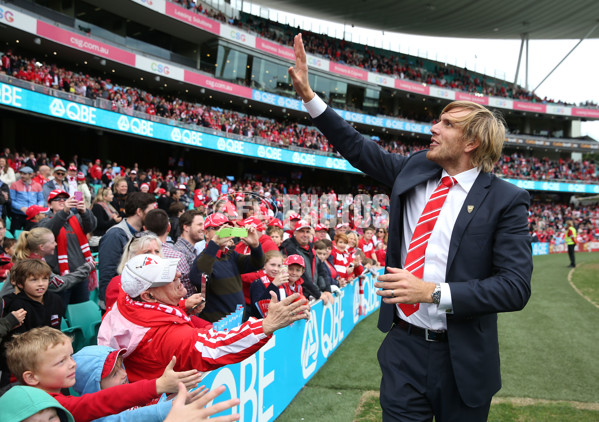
333	163
73	111
221	144
56	108
176	135
123	124
310	346
137	126
295	157
188	137
268	152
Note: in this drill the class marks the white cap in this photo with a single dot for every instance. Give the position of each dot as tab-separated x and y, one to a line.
144	271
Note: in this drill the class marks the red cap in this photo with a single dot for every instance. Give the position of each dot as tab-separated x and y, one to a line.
276	223
182	187
55	193
302	224
72	168
34	210
294	216
295	259
216	220
144	185
342	225
110	362
161	191
254	222
320	227
80	176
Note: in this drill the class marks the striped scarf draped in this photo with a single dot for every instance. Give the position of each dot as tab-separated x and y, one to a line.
63	258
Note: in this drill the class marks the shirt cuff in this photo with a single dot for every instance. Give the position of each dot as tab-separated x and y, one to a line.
315	106
445	304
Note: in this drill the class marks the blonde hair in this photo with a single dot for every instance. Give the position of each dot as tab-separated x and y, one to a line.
25	351
271	255
354	235
116	182
483	126
30	241
100	195
274	229
135	245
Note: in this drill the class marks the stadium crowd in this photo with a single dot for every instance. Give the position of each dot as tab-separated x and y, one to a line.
377	60
257	128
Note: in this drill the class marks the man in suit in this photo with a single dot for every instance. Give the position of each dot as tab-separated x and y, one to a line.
441	354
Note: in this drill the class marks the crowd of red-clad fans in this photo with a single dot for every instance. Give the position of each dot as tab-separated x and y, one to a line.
376	59
548	222
284	134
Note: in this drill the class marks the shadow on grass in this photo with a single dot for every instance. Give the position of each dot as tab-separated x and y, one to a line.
370	411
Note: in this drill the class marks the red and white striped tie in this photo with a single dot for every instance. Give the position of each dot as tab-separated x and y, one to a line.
422	232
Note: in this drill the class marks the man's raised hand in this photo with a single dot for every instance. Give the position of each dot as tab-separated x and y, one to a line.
299	73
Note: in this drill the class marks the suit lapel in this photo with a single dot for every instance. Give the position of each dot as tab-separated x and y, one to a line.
414	179
475	197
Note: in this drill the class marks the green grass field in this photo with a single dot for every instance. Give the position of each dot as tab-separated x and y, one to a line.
549	357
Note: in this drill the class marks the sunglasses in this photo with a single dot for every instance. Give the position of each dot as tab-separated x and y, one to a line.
59	200
139	235
60	173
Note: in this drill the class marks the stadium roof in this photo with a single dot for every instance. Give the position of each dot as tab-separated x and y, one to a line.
503	19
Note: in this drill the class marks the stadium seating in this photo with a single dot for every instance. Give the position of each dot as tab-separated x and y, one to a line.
85	316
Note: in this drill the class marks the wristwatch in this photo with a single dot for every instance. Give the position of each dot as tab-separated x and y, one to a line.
436	294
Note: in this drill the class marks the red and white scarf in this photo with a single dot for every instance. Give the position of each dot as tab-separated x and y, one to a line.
146	311
63	258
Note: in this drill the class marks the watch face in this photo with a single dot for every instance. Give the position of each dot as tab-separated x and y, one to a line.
437	295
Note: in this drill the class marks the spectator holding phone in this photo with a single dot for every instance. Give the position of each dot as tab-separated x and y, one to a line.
70	221
220	267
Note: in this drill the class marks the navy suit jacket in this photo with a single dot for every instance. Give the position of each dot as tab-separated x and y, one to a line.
489	265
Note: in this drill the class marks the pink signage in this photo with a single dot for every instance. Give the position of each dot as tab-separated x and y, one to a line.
217	85
84	43
352	72
276	49
585	112
192	18
412	87
460	96
537	108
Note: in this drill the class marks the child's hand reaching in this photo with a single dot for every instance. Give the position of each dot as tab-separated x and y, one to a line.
20	316
169	381
196	412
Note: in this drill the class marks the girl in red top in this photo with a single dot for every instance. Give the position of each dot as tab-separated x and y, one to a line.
283	280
